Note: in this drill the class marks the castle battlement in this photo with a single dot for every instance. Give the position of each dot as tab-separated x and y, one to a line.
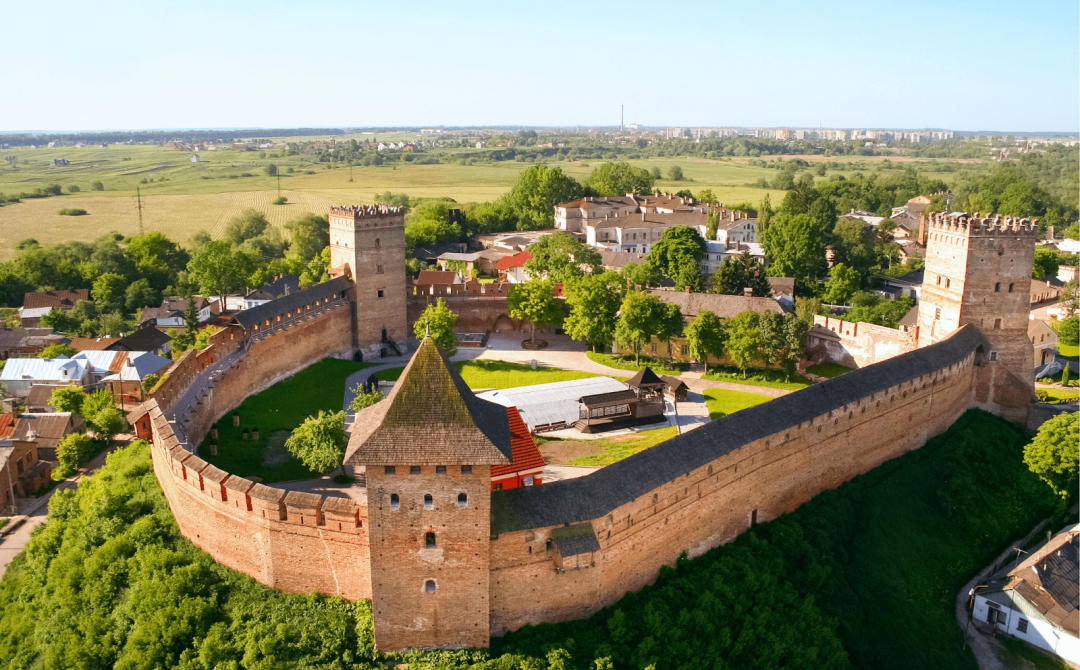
368	212
978	226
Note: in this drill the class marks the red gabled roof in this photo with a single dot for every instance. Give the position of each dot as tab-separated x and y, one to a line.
7	425
516	261
435	277
526	456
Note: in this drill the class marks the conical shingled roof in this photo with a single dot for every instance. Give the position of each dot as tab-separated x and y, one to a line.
644	377
430	418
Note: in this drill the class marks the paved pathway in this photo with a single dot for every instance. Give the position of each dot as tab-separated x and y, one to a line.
16	533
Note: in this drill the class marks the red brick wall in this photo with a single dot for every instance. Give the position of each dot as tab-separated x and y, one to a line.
715	503
180	376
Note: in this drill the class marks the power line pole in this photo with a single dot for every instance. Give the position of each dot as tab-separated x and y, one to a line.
138	199
279	186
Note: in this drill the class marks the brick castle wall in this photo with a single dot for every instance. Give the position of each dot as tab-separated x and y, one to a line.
717	502
861	344
475	314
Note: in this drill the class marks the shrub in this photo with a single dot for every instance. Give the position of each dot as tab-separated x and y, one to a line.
73	189
74	211
280	200
73	451
97	186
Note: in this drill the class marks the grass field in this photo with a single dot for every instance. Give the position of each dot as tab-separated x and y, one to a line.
722	402
657	365
279	409
828	370
758	377
614	449
185	197
499	375
1068	350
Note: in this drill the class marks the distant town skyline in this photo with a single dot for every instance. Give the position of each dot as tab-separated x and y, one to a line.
919	65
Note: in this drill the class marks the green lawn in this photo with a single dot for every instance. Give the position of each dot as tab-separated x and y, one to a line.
1068	350
615	449
1019	655
282	407
1061	394
499	375
658	365
828	370
757	377
722	402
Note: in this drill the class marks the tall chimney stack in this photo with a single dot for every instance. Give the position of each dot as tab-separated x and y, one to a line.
922	228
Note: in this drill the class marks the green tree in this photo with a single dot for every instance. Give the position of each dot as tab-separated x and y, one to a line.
1054	453
707	196
139	293
594	301
59	320
765	214
191	319
795	331
438	322
1046	263
536	192
1069	330
740	272
795	247
855	245
656	175
57	350
271	170
674	173
97	186
806	309
771	342
640	274
319	442
535	302
559	257
744	340
363	399
215	268
670	325
108	292
615	179
640	317
68	399
705	336
73	450
308	236
248	225
102	416
677	250
843	283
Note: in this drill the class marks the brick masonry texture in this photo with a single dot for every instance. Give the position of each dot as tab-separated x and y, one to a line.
475	314
492	568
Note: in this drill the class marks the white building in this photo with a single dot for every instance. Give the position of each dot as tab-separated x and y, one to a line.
551	406
19	374
1038	600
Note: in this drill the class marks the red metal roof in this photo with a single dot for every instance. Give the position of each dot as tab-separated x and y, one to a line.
515	261
7	425
526	455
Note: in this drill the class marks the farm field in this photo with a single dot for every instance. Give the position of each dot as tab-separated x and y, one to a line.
181	198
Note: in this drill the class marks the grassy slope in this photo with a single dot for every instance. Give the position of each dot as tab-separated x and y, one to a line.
283	406
828	370
614	449
722	402
758	377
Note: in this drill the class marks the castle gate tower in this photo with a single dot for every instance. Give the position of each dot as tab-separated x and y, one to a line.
428	449
368	244
978	271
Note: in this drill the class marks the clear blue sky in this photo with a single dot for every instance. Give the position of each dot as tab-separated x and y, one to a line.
988	65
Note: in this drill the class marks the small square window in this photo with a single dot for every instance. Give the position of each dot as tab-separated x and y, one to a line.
440	469
993	355
429	540
414	469
1021	626
378	269
380	292
466	469
496	487
388	470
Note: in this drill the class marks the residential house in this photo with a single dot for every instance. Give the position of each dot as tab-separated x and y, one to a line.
106	366
1044	339
512	268
145	338
617	260
1046	289
1038	601
470	260
868	217
37	401
736	229
45	431
429	255
92	343
574	216
195	158
26	342
21	472
172	311
39	303
513	242
716	252
271	290
19	374
637	232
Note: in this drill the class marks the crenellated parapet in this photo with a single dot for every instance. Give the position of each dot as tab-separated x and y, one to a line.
960	223
367	216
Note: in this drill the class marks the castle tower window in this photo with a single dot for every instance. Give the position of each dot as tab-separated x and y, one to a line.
993	355
997	287
440	469
429	503
414	469
378	269
429	586
947	282
1010	288
462	500
547	545
939	280
466	469
377	241
394	500
429	540
380	293
388	469
997	324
